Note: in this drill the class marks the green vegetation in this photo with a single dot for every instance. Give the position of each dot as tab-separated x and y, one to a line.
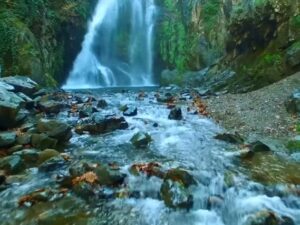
210	14
31	33
272	59
296	21
176	43
293	146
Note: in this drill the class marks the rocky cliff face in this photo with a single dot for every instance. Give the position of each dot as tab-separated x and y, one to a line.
239	45
41	38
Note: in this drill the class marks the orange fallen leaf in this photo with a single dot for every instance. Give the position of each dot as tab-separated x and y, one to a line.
89	177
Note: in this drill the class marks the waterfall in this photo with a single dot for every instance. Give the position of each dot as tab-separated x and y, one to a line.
118	47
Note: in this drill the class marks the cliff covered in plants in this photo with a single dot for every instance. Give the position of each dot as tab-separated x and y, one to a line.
237	45
40	38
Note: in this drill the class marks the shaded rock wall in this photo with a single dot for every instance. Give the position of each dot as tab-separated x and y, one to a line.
41	38
245	44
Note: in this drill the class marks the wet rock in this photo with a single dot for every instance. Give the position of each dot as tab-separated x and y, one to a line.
84	190
88	99
43	141
102	124
55	129
79	168
141	140
293	103
7	139
14	149
2	177
123	108
215	202
12	164
229	179
130	111
149	169
175	195
21	84
268	218
41	195
181	176
175	114
29	156
50	106
230	138
46	155
102	104
258	146
108	176
52	164
24	139
86	111
6	86
10	105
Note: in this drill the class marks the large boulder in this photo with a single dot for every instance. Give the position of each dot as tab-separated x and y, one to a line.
29	156
50	106
10	104
21	84
12	164
7	139
43	141
55	129
102	124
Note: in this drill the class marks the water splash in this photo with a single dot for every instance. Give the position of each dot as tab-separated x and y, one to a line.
118	47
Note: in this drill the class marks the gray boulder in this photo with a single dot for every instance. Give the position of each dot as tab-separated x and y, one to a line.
55	129
21	84
7	139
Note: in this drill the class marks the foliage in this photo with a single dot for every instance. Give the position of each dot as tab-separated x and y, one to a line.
173	37
272	59
210	14
29	33
296	21
177	43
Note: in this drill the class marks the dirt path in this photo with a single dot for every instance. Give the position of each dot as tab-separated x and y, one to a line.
261	112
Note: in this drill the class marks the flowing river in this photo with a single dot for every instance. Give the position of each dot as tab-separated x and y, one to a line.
188	143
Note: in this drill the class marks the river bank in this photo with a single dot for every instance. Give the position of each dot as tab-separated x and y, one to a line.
258	113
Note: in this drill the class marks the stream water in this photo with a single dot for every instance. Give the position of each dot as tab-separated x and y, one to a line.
188	144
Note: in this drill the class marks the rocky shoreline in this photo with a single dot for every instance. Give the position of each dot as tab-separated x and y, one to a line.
258	113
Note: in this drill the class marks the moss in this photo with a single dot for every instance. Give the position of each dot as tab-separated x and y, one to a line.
296	21
293	146
210	14
271	59
30	31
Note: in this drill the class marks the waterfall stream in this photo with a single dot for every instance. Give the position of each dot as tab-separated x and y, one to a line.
117	49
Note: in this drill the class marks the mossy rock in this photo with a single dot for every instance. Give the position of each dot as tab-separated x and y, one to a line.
293	146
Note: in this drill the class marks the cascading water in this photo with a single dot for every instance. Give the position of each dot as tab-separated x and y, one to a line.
117	49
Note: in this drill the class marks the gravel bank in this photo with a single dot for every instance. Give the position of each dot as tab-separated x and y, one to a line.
261	112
